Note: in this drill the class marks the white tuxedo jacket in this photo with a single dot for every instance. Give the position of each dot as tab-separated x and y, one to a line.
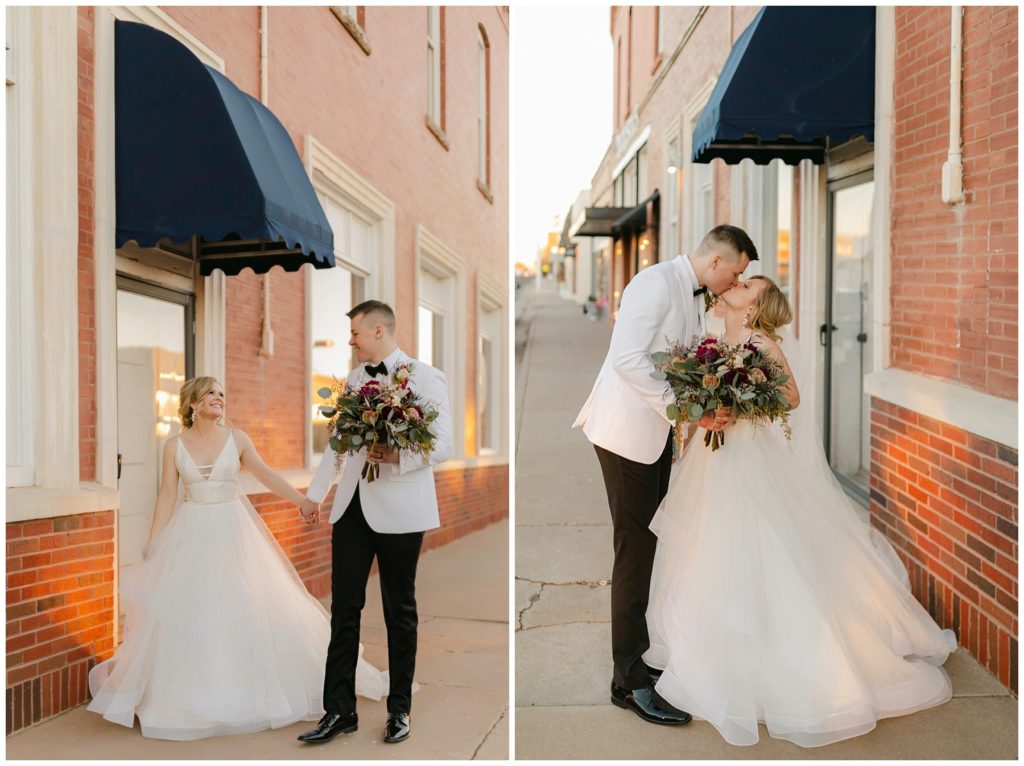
625	412
402	498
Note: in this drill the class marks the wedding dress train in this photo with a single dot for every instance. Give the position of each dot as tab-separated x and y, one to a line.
221	635
773	601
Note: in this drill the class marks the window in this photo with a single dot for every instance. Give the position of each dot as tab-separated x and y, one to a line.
659	34
784	228
671	209
641	174
332	293
702	200
442	340
488	395
434	65
483	109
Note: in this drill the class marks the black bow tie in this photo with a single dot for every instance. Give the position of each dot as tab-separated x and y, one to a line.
373	372
699	291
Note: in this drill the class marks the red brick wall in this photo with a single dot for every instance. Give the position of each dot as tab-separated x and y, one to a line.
267	396
86	271
954	268
947	500
60	612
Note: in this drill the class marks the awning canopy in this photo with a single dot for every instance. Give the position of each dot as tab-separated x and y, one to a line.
636	218
204	171
598	221
611	221
798	80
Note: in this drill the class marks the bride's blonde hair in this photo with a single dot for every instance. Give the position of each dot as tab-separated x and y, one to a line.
192	392
770	309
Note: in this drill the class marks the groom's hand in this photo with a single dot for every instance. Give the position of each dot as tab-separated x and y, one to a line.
377	454
310	512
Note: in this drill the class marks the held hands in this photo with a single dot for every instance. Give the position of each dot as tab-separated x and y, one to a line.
721	420
310	512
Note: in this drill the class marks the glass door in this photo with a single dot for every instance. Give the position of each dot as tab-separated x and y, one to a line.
847	333
155	355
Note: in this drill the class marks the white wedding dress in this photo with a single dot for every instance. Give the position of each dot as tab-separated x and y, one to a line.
221	636
773	601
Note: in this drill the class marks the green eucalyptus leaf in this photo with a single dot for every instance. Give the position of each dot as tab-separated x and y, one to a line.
323	393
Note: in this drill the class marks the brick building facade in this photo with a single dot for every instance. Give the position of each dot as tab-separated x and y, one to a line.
410	163
915	389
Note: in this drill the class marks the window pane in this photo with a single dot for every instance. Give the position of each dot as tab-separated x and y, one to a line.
425	341
333	295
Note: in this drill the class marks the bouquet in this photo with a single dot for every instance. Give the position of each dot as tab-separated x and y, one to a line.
390	414
710	374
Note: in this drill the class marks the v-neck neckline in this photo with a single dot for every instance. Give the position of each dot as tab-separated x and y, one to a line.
213	464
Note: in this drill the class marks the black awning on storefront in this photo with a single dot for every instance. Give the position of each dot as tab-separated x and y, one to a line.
636	218
798	80
204	171
598	221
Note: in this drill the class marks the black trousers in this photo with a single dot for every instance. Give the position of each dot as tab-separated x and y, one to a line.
353	547
635	490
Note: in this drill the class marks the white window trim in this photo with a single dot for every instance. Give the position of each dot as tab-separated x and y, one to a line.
434	64
490	297
52	234
482	126
691	114
433	255
21	340
670	204
335	180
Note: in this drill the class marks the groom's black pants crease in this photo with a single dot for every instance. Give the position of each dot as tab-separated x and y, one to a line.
353	547
635	490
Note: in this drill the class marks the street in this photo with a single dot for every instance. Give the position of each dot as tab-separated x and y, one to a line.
460	711
563	568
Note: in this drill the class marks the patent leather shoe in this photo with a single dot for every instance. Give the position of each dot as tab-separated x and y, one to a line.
647	704
397	727
654	673
330	726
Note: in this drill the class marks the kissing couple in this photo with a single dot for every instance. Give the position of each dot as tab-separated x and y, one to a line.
745	587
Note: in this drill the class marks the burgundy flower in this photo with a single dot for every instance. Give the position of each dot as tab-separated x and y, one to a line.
707	353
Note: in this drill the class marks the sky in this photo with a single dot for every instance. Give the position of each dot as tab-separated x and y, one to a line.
562	89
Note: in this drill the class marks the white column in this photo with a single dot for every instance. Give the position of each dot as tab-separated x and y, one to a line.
55	236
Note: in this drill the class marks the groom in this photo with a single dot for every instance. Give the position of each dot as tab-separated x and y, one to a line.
624	418
385	520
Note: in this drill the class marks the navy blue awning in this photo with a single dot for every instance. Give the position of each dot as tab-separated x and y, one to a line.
197	157
798	80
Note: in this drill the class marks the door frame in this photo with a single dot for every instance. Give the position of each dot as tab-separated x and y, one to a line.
832	186
160	292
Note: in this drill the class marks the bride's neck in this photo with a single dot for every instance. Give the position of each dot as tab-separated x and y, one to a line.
733	324
203	427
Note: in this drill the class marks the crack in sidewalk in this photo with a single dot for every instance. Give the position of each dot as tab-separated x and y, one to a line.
489	733
533	600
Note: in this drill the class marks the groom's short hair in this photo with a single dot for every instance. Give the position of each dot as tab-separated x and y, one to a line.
377	311
732	237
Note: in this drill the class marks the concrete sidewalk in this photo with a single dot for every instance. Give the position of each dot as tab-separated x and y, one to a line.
563	568
460	712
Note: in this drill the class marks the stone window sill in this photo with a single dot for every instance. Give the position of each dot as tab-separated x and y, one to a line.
438	133
485	190
353	28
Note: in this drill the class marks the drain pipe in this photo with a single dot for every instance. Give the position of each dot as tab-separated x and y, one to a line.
267	336
953	168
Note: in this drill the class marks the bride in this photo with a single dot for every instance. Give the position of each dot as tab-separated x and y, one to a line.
221	635
771	599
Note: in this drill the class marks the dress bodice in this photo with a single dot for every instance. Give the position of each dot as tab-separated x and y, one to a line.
209	484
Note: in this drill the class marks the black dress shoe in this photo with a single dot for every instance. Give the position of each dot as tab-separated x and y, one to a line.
648	705
397	727
654	673
330	726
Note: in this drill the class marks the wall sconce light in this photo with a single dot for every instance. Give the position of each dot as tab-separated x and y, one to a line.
324	343
644	262
671	170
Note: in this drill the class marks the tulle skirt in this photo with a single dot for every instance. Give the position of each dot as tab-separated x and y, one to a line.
772	601
221	636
